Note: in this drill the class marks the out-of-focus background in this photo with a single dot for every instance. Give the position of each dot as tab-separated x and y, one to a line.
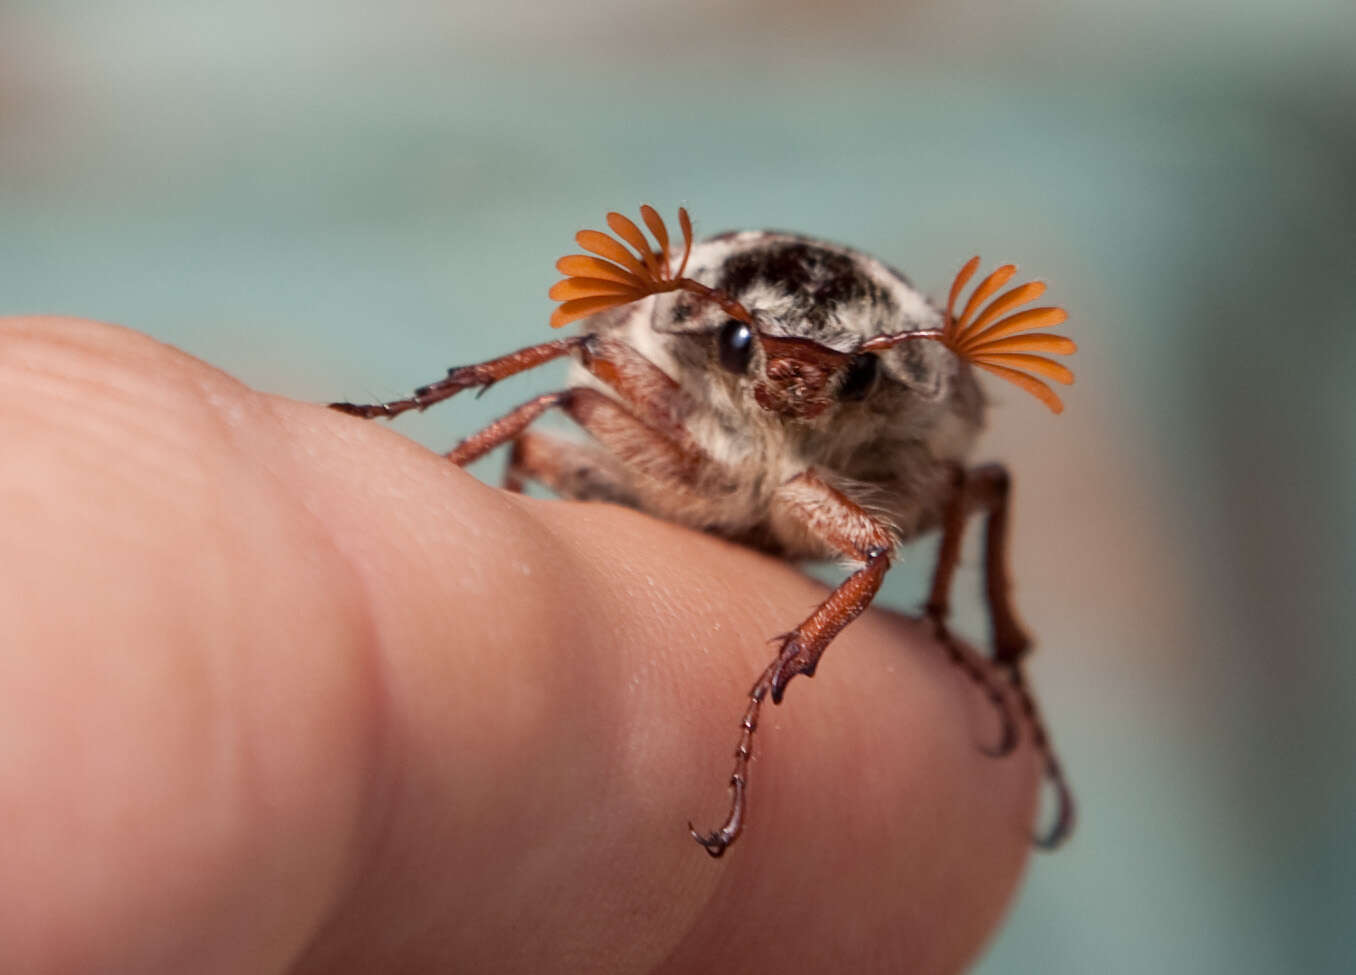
340	199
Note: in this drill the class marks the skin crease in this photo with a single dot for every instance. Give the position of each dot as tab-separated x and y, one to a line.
282	691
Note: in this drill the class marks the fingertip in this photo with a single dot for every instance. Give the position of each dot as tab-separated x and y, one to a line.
877	828
188	701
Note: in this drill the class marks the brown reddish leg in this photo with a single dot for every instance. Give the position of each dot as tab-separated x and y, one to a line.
646	434
611	424
988	489
483	374
653	396
574	471
939	607
832	516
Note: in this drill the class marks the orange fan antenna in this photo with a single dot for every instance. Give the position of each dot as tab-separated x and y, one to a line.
1008	345
623	267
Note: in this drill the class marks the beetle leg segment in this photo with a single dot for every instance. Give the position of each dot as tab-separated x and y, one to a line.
1065	807
574	471
991	489
988	489
836	518
616	428
652	395
458	378
939	605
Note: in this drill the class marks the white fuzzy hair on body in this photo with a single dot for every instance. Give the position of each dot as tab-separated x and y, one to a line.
890	452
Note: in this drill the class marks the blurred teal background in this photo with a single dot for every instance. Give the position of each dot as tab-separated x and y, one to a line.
338	200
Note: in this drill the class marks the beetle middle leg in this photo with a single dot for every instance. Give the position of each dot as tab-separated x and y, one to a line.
570	470
959	502
986	489
989	488
638	446
835	518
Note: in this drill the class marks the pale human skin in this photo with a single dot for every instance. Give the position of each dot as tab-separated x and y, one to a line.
283	691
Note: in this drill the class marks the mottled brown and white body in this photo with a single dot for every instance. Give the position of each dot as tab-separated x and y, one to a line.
891	447
774	396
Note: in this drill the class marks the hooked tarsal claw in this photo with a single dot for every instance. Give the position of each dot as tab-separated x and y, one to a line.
714	843
1064	817
793	660
355	409
718	842
1008	742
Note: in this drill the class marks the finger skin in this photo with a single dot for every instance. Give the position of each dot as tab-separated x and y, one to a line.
289	692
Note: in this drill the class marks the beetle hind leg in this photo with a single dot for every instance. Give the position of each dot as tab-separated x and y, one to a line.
939	607
991	487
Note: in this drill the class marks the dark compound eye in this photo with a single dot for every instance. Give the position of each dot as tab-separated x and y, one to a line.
736	346
861	376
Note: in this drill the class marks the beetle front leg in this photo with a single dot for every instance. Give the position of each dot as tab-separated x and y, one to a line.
458	378
650	393
835	518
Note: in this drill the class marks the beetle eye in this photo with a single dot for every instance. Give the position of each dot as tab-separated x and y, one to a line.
861	376
736	346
